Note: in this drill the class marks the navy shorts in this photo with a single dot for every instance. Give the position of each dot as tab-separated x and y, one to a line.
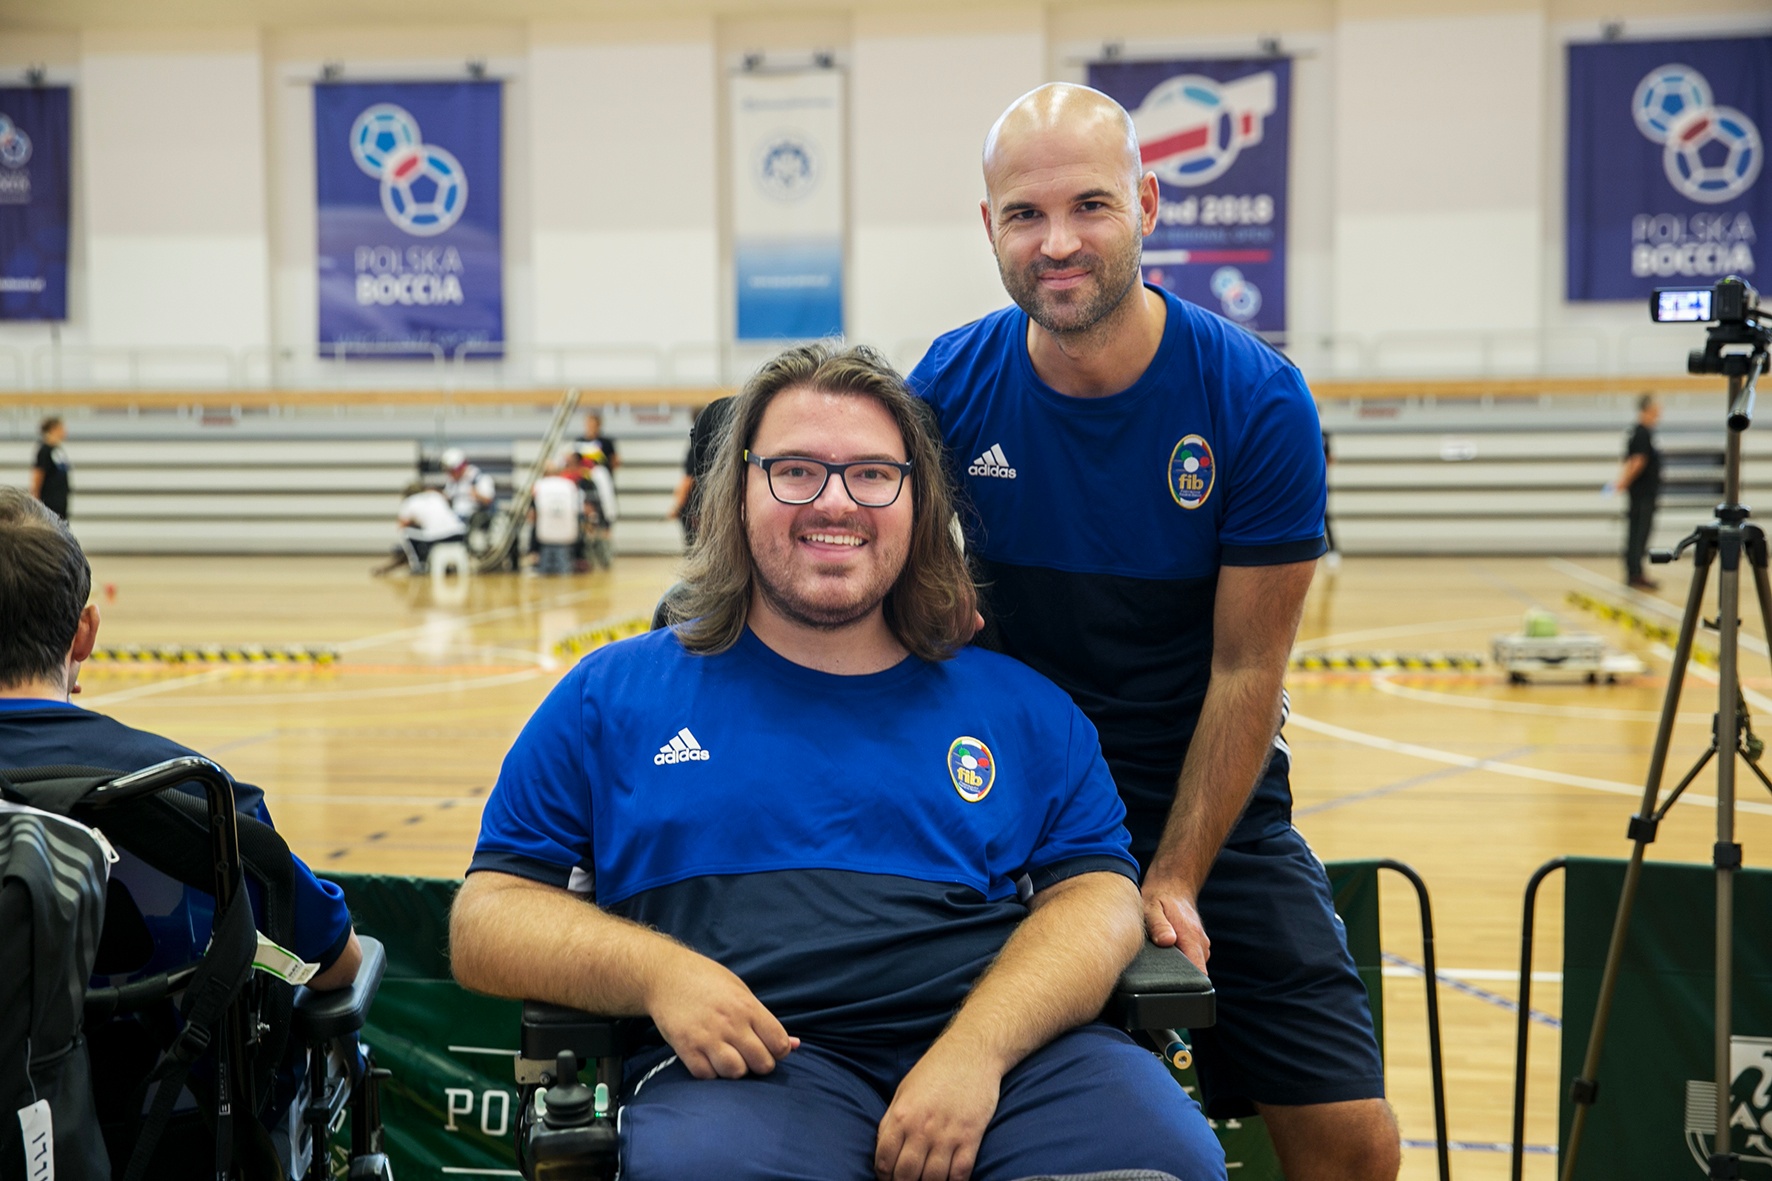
817	1116
1294	1023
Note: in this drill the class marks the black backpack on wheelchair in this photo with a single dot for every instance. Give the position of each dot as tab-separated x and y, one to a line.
243	1044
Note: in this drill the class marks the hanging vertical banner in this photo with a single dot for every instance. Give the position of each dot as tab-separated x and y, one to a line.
409	202
34	155
1667	184
787	186
1217	134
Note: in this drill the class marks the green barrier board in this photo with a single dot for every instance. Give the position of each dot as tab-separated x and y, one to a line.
451	1104
1655	1115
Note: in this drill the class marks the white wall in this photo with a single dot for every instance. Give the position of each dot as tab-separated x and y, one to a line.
1426	166
623	143
924	92
173	155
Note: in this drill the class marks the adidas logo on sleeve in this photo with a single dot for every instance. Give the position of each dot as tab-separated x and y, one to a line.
992	463
682	748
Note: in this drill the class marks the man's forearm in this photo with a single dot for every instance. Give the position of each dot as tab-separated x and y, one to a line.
512	937
1054	973
1229	749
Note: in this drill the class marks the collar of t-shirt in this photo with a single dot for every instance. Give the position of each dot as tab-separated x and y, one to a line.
20	704
780	667
1155	376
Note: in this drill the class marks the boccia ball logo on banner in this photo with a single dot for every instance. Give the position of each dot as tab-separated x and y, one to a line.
423	188
1191	128
15	145
787	166
1710	153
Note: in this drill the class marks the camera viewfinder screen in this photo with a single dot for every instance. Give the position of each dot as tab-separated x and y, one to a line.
1689	304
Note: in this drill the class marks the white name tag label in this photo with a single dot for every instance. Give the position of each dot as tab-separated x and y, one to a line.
39	1130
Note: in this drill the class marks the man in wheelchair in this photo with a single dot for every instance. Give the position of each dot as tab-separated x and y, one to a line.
870	884
154	924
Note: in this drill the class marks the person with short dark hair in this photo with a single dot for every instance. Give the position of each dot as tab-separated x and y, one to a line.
47	630
704	435
869	883
1640	479
50	470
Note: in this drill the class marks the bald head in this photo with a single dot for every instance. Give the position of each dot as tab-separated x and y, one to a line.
1060	120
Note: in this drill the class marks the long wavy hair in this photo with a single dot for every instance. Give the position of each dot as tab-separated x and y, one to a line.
930	607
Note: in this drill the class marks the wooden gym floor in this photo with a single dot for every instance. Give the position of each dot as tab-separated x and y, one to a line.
380	762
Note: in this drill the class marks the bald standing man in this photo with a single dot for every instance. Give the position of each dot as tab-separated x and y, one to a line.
1147	486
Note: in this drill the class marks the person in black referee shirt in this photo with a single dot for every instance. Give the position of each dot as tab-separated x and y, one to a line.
49	471
1641	478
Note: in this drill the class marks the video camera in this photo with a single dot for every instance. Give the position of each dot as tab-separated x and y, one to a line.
1732	308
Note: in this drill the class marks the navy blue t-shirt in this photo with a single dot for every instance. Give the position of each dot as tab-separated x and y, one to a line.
47	733
855	848
1099	524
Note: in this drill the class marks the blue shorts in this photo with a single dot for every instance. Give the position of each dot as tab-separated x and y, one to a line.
1294	1023
817	1115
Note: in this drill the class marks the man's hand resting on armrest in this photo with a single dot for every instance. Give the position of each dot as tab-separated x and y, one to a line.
513	937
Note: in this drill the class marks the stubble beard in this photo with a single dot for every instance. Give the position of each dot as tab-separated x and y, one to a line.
1116	277
798	608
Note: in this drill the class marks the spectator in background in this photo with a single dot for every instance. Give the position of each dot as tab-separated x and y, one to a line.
703	438
596	447
558	509
1640	477
468	490
425	521
49	471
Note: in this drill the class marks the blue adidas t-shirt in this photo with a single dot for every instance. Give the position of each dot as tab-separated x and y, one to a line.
177	918
1100	524
856	848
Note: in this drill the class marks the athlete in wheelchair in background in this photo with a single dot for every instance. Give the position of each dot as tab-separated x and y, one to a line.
231	1056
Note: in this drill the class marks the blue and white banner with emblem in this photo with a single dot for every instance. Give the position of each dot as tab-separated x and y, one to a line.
788	168
1667	178
410	218
1216	133
34	154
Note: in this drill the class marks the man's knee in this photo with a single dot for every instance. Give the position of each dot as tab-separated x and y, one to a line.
1352	1141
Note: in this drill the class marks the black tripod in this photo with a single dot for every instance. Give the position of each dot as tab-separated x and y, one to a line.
1726	540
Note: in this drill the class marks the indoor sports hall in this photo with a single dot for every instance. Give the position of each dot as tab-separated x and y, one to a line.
282	285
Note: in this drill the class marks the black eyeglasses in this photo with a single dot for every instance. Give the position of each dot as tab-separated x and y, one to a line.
794	479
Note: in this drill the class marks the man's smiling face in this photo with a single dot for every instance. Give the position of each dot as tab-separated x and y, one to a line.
829	563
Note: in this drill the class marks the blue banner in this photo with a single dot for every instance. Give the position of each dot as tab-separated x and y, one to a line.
788	205
1667	185
1216	133
409	198
34	153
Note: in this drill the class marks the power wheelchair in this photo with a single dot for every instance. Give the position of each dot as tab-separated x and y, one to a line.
566	1131
242	1041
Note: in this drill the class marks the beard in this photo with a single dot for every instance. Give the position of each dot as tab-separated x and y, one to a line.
1070	313
782	579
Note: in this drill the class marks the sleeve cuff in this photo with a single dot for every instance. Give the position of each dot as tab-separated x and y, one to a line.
1050	875
330	956
1277	554
544	872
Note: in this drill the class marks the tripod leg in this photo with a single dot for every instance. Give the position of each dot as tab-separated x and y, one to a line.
1727	854
1585	1087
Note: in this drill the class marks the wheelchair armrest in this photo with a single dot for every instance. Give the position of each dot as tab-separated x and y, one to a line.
322	1016
548	1029
1162	989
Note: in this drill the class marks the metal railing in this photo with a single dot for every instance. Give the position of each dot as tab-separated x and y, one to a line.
61	366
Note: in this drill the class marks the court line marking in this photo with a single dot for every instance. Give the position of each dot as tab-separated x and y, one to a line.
1473	1146
1516	770
1502	975
1381	680
1360	797
313	695
1660	606
1402	629
1410	967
